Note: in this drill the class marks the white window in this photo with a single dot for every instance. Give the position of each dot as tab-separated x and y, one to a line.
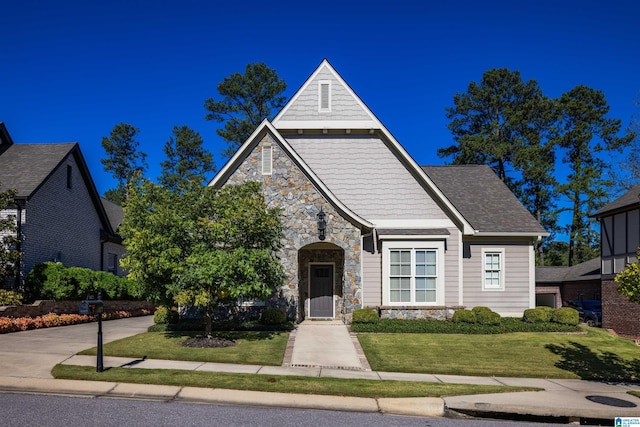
324	96
267	160
413	273
493	269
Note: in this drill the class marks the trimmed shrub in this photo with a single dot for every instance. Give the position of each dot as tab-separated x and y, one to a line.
53	281
365	315
464	316
566	316
272	316
10	297
165	316
540	314
487	317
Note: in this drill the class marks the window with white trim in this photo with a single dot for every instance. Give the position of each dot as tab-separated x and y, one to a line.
324	96
493	269
413	273
267	160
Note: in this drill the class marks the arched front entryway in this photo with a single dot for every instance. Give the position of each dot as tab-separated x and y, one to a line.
321	271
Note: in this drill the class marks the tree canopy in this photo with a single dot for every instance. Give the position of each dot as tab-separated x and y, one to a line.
123	160
204	247
629	280
247	99
187	163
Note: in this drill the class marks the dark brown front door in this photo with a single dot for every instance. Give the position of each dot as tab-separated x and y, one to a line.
321	291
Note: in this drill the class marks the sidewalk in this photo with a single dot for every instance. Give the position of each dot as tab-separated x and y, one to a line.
24	356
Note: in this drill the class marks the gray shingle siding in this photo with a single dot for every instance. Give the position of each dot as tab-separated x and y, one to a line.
343	106
362	172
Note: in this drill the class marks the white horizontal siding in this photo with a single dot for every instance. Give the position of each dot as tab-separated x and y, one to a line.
516	296
365	175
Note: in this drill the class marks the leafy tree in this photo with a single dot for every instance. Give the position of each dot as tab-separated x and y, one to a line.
509	125
628	280
123	159
247	100
9	242
203	247
583	120
187	161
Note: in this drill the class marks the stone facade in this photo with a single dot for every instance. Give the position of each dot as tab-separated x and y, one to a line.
290	190
417	313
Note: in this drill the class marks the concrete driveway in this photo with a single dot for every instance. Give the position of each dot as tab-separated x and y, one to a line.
34	353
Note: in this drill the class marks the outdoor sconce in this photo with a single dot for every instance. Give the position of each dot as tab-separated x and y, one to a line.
322	224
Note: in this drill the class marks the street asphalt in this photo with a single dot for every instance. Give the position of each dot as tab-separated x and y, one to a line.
26	360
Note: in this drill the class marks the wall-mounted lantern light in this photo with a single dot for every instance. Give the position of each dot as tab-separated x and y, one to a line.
322	224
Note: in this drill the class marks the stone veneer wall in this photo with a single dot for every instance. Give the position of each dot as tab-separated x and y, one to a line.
618	313
289	189
417	313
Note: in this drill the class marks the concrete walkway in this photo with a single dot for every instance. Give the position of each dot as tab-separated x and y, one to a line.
26	359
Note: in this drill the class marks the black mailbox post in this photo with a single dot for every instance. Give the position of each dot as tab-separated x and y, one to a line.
95	307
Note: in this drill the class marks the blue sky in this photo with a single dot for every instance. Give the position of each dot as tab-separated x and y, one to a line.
71	70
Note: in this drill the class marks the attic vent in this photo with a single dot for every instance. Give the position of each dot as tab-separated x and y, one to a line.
267	160
324	89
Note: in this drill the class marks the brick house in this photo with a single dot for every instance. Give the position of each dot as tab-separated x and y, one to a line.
366	226
619	242
59	213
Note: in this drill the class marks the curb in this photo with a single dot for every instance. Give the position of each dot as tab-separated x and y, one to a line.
417	406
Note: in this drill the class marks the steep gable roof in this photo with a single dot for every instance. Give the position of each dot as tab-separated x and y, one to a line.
484	200
347	111
628	199
26	167
223	175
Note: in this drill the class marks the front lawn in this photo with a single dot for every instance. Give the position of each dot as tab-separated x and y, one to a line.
592	354
252	348
278	383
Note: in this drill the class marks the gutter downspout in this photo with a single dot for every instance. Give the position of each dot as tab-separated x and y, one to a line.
19	245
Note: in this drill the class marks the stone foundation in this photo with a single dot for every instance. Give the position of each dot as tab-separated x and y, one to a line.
417	313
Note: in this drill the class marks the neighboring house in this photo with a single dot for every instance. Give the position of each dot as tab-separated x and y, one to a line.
619	241
557	285
365	226
59	213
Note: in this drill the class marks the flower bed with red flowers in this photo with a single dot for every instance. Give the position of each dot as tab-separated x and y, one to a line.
8	324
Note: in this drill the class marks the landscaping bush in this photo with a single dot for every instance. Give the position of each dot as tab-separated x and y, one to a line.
53	281
272	316
487	317
464	316
540	314
566	316
165	316
365	315
10	297
507	325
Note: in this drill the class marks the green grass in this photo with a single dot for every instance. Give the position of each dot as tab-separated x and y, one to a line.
634	393
281	384
595	355
253	348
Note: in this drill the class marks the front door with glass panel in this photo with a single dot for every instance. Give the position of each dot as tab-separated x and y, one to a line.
321	290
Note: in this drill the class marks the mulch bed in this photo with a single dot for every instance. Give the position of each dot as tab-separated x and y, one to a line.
204	342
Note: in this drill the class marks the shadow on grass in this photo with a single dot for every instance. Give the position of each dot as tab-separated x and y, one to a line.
230	335
588	365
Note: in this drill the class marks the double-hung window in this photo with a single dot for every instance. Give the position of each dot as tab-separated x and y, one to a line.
493	269
413	273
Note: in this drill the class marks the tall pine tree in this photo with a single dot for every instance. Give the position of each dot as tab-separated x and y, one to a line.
187	162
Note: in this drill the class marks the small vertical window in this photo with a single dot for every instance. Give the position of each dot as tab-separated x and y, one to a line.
324	98
267	160
112	266
69	175
493	269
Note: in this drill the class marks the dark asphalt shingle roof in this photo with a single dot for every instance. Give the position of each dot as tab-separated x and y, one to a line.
483	199
588	270
630	198
114	213
24	167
